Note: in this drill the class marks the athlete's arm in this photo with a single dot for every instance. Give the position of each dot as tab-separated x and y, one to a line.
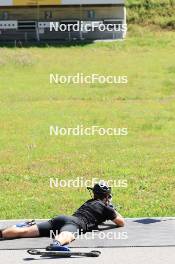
119	220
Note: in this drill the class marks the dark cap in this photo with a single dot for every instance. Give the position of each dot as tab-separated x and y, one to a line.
101	188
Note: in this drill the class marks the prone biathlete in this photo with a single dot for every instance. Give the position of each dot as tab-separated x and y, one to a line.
87	218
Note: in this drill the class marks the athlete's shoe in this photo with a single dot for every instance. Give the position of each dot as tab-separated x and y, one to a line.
56	246
26	224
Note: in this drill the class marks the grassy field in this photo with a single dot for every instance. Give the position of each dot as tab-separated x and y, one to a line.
29	105
160	13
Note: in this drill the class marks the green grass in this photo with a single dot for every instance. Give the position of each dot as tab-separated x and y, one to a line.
149	2
29	105
151	12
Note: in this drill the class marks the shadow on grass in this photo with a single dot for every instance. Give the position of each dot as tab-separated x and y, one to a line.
45	44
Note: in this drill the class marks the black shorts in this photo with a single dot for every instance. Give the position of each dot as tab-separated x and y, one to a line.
59	224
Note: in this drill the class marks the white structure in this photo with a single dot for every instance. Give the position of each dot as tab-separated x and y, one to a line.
73	19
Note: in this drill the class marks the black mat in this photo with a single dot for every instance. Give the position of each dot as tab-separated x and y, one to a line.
138	232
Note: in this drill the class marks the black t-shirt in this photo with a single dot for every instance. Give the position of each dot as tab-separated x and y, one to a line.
94	212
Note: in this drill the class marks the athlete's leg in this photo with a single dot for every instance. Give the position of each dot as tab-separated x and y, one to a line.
20	232
65	237
67	229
